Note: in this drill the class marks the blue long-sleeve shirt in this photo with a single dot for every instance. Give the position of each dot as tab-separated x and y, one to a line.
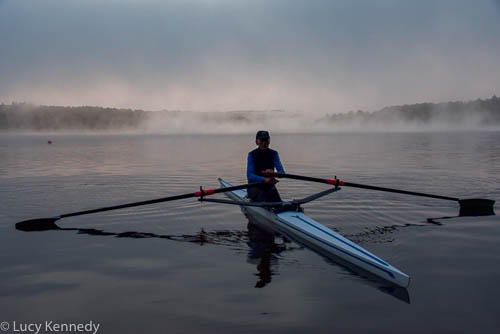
252	177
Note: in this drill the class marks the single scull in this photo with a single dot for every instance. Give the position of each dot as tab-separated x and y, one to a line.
299	227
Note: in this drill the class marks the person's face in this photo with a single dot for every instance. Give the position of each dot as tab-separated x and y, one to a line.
263	144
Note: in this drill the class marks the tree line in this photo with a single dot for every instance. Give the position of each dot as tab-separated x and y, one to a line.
23	116
29	117
482	112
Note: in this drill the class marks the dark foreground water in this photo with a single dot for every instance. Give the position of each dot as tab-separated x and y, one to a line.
186	267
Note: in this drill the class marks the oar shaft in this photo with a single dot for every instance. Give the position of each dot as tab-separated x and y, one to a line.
128	205
159	200
302	178
397	191
363	186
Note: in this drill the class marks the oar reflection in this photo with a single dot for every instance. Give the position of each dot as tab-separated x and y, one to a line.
264	250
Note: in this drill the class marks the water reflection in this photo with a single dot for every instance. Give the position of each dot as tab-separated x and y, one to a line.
263	250
263	253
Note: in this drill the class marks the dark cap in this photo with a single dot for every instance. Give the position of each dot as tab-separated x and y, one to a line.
262	135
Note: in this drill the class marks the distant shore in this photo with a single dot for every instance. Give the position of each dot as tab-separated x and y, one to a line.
22	117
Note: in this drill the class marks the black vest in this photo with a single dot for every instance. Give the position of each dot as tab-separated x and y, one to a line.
263	159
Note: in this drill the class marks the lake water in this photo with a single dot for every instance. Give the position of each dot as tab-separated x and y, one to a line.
189	267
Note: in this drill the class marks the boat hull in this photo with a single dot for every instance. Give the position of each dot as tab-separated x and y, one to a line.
304	230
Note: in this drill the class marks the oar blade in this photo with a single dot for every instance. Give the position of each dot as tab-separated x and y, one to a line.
39	224
476	207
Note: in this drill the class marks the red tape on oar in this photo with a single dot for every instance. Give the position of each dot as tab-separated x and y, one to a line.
334	182
203	192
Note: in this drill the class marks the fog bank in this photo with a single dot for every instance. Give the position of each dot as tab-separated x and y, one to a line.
472	115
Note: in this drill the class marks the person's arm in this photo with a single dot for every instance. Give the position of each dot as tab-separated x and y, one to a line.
277	164
251	176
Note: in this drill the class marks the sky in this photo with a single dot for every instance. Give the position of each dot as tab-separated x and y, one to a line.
311	56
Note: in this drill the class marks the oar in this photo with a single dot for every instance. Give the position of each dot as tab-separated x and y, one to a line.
47	223
468	207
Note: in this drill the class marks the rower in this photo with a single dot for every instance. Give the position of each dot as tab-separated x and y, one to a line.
263	160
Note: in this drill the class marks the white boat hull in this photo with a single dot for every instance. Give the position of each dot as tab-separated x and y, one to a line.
299	227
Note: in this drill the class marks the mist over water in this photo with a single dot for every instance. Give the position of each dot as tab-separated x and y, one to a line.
472	115
297	122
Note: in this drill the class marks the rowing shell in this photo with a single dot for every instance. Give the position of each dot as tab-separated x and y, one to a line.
308	232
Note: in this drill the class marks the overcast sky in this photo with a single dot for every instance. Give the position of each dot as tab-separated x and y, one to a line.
310	55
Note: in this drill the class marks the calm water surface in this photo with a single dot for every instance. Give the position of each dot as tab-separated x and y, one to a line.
186	266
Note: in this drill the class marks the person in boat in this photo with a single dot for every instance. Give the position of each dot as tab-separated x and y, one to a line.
262	161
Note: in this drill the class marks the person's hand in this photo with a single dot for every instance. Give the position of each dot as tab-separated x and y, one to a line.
270	180
268	172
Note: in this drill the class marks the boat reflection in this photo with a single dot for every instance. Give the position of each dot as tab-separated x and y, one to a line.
351	270
264	251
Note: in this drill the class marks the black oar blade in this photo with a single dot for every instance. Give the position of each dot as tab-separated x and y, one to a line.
39	224
476	207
